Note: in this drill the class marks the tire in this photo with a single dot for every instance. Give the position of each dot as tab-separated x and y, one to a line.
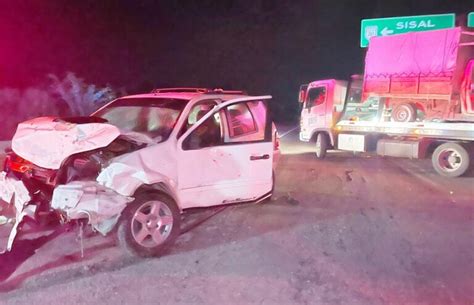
141	231
321	145
450	159
404	113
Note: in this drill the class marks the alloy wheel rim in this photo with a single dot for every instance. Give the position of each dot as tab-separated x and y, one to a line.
151	224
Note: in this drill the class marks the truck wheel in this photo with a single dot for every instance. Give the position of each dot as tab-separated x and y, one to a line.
149	225
450	159
321	145
404	113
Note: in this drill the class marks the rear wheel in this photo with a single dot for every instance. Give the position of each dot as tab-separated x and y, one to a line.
404	113
321	145
450	159
149	225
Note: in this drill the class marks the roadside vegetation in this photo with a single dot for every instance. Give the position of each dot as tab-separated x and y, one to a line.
58	96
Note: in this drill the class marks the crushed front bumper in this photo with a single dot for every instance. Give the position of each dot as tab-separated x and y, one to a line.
14	198
100	205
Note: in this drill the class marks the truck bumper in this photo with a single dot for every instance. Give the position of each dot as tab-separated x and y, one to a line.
305	136
14	198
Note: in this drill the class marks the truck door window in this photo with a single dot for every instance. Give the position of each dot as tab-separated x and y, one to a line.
246	122
240	120
316	96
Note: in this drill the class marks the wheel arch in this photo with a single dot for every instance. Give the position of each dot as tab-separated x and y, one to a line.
428	146
326	132
159	187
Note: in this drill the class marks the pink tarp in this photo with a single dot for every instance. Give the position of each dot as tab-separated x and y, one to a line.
430	53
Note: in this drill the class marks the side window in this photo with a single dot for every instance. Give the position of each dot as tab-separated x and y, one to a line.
208	134
316	96
195	114
246	122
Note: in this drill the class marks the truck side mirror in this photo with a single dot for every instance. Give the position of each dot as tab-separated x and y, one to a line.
301	96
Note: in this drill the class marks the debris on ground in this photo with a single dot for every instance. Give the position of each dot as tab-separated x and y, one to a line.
289	199
348	175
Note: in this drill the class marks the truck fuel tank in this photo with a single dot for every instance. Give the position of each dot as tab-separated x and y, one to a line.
398	148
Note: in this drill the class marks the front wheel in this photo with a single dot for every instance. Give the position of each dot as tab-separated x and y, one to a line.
321	145
450	159
149	225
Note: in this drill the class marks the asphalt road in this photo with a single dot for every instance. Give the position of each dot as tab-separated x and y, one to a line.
346	230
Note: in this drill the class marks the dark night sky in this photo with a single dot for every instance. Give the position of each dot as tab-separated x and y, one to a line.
263	46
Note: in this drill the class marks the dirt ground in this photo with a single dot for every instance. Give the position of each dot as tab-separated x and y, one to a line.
346	230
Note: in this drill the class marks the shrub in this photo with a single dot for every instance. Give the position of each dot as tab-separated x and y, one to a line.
81	98
70	96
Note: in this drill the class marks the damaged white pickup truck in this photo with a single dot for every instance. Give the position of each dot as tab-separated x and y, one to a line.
138	162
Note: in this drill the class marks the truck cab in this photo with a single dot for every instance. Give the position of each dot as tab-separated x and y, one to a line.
323	105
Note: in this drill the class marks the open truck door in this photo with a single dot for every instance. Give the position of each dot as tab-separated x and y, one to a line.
227	156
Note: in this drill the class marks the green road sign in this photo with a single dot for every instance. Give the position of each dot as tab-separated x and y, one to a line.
398	25
470	19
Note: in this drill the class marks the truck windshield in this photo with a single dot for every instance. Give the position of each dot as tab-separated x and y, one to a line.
155	117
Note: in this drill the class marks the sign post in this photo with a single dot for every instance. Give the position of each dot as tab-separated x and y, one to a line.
398	25
470	19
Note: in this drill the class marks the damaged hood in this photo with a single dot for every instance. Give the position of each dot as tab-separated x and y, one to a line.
48	141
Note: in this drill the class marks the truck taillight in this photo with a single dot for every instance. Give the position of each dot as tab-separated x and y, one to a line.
16	164
276	143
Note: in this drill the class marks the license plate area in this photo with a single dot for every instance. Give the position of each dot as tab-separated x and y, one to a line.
351	142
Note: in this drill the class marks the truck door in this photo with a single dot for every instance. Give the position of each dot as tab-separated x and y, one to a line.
227	156
314	110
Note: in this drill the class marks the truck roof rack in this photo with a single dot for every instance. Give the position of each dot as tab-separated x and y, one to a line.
180	89
198	90
222	91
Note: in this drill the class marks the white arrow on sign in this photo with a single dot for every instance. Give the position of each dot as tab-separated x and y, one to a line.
386	31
